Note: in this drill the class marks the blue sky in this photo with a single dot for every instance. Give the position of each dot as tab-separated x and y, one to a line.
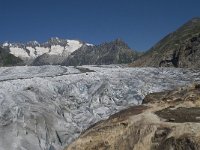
141	23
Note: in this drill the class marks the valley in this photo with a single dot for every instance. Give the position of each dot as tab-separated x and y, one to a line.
69	94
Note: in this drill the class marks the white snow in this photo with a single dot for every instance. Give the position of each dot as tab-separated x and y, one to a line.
5	44
73	45
56	50
19	52
33	52
49	106
35	42
89	44
41	50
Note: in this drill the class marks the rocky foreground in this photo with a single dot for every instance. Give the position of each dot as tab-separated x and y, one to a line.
165	121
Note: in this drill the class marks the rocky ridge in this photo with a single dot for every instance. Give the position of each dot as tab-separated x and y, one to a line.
115	52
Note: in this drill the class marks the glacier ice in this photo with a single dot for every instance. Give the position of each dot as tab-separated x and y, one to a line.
47	107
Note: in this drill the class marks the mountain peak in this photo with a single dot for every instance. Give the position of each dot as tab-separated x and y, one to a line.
114	52
5	44
33	43
54	40
120	42
192	24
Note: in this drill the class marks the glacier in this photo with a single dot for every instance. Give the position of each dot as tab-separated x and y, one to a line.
47	107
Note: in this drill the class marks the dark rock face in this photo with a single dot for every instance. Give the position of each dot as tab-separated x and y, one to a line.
7	59
116	52
166	121
178	49
186	56
47	59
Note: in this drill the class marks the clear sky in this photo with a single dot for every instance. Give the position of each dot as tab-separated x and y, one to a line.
141	23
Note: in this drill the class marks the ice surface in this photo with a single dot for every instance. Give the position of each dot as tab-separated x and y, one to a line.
47	107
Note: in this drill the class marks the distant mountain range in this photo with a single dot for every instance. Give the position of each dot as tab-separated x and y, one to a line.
71	52
55	48
178	49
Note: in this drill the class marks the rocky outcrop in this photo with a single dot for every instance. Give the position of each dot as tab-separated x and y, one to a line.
166	120
115	52
186	56
178	49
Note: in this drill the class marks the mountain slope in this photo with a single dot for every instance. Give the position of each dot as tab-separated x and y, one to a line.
7	59
178	49
115	52
47	59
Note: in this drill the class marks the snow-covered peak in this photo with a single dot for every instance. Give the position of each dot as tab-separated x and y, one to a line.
5	44
33	43
89	44
54	40
74	45
54	46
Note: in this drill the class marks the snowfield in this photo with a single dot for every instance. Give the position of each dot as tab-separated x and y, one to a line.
31	51
47	107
